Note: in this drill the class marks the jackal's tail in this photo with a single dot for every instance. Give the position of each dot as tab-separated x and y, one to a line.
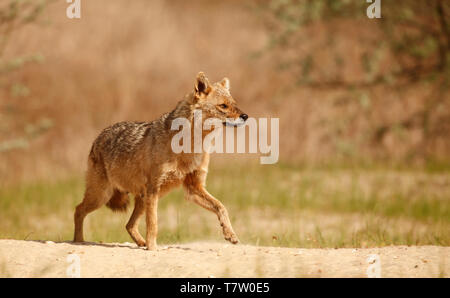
119	201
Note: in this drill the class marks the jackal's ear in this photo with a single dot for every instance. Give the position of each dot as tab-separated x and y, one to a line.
225	83
202	84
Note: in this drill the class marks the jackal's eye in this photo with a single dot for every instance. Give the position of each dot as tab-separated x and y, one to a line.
223	106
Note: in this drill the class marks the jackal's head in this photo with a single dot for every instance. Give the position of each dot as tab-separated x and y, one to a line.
215	101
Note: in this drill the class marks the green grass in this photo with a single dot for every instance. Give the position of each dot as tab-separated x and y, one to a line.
269	205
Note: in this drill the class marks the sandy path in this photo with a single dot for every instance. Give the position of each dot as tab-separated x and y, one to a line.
210	259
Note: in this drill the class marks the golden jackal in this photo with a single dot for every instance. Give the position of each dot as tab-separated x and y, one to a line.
137	158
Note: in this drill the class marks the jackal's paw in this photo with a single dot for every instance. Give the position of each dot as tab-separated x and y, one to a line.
152	248
232	238
140	243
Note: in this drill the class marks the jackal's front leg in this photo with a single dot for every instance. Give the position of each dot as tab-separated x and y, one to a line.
200	196
151	216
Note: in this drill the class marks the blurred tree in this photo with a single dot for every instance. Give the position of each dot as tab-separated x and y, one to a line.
407	46
14	15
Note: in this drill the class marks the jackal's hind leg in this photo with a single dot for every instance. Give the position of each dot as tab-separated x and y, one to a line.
94	198
133	223
151	219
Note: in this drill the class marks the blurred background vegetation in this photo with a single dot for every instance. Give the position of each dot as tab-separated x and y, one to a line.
364	111
393	72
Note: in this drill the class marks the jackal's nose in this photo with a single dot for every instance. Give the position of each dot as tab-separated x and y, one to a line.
243	116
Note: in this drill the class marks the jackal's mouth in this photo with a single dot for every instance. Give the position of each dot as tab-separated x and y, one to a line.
234	122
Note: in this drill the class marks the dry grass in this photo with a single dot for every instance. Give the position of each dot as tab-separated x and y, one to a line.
295	207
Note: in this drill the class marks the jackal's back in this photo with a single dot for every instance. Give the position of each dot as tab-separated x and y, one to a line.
119	140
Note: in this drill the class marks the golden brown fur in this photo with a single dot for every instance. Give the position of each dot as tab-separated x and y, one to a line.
137	158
